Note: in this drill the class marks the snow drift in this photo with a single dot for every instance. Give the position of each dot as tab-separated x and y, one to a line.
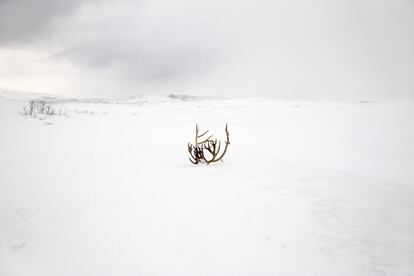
306	188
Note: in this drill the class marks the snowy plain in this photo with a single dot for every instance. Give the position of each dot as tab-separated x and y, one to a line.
306	188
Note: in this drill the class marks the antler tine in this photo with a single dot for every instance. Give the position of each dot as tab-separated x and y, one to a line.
199	136
212	148
192	151
218	148
200	148
205	140
193	160
227	135
195	140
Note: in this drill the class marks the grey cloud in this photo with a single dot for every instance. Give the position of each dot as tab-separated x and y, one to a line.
25	21
289	49
144	42
162	61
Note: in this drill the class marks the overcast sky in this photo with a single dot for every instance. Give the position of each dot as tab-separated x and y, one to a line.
297	49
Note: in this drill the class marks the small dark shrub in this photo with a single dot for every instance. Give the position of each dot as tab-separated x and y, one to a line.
38	107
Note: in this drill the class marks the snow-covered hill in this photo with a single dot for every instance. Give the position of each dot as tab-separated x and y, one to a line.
306	188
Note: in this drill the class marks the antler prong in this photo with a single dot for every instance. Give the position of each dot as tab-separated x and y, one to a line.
205	140
199	136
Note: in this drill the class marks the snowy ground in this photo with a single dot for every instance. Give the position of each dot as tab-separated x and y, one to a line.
307	188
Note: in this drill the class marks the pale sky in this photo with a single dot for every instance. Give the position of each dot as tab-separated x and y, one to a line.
299	49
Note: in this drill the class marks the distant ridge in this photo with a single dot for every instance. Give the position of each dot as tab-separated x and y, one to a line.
185	97
139	99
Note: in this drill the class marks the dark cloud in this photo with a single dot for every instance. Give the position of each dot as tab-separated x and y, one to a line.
23	21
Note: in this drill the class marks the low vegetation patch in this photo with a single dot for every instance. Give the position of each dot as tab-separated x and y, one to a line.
39	107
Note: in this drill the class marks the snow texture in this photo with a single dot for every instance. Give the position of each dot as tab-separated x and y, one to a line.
306	188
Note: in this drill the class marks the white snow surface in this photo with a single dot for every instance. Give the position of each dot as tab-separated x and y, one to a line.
306	188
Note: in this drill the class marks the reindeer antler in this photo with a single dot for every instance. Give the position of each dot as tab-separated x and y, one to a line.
211	146
214	149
